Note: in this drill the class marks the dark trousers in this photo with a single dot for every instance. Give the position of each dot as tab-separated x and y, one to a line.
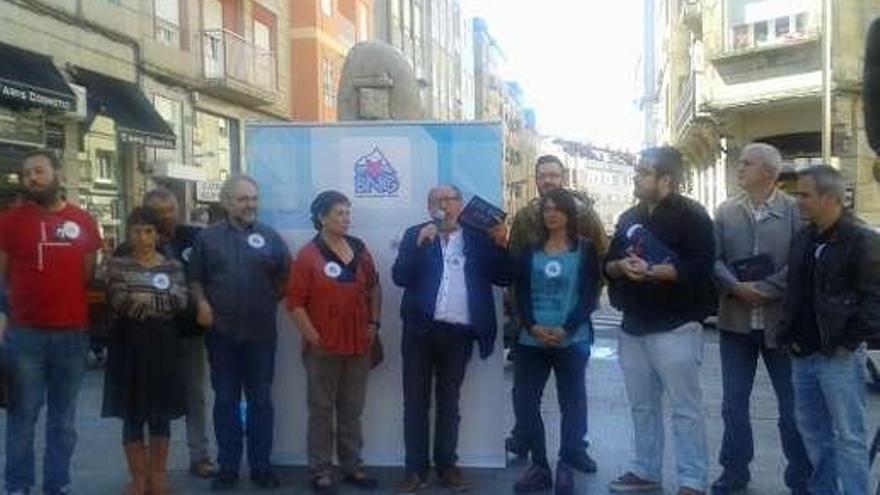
531	370
739	360
238	366
439	355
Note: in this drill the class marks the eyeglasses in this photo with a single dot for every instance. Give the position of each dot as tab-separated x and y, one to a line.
446	199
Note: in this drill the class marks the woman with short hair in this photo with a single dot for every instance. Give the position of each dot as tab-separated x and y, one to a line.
334	298
143	381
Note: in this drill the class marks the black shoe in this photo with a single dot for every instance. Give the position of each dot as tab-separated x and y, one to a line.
516	446
581	462
265	478
323	484
730	482
224	481
564	480
362	480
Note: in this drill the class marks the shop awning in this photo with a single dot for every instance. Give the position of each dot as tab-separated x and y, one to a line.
136	119
31	80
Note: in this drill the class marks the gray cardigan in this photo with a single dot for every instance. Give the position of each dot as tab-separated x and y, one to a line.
735	233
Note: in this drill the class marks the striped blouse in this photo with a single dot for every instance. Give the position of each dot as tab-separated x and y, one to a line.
138	292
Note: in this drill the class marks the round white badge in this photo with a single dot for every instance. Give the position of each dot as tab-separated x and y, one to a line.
256	241
553	269
70	230
332	269
456	261
161	281
186	253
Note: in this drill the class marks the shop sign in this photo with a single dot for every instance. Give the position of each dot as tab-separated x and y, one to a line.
23	94
22	127
208	191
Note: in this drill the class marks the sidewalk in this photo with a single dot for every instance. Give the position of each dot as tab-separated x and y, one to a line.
99	465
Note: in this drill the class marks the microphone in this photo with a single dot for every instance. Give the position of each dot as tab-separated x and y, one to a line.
871	86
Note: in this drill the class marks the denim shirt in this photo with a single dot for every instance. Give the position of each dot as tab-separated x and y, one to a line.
243	272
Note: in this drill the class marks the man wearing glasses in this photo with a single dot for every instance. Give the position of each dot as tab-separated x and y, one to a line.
447	272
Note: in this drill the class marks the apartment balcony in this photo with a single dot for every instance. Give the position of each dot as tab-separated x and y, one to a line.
236	69
686	109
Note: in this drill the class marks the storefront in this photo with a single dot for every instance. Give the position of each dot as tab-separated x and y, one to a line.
33	94
120	125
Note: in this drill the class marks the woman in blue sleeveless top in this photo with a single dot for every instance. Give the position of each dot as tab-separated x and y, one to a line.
557	286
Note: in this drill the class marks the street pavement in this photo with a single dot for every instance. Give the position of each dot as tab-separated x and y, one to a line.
99	465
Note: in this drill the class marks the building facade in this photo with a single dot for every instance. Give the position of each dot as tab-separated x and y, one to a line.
321	33
521	143
157	91
488	82
436	37
787	73
604	175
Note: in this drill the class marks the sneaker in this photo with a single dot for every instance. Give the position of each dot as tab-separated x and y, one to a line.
516	446
690	491
203	469
564	479
582	462
534	479
413	483
360	479
224	481
630	483
453	479
265	478
730	482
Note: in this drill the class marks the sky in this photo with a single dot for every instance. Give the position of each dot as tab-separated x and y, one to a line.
577	62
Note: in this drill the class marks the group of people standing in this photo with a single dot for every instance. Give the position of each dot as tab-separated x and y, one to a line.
188	300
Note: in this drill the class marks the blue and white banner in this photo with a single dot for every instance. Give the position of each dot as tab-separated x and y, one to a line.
387	170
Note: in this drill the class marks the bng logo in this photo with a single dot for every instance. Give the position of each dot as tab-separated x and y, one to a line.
375	176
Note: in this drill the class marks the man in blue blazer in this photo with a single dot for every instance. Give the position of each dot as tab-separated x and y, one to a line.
447	272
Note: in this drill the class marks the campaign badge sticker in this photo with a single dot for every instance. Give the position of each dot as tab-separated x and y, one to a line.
553	269
161	281
186	254
332	269
256	241
70	230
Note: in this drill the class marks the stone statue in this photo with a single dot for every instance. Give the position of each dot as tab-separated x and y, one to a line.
377	83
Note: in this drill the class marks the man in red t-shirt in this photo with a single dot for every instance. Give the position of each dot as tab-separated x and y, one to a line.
48	250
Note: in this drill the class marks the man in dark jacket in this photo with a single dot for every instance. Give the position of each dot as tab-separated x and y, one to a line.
832	307
447	272
659	268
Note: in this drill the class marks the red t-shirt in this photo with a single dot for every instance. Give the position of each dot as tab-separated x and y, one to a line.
46	251
335	296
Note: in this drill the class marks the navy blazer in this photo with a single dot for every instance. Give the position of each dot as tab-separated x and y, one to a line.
418	270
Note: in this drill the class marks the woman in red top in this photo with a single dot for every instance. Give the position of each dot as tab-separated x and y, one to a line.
334	298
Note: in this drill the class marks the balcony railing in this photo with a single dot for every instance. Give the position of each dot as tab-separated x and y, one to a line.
227	56
687	104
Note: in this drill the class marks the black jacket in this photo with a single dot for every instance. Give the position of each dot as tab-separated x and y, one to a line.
683	226
846	287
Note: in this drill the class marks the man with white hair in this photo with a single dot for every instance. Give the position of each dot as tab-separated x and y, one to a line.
753	231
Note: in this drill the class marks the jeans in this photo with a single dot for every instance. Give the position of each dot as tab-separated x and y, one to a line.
195	369
667	362
739	360
45	366
440	355
237	366
831	411
531	371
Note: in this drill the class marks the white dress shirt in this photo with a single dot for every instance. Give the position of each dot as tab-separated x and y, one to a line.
452	300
